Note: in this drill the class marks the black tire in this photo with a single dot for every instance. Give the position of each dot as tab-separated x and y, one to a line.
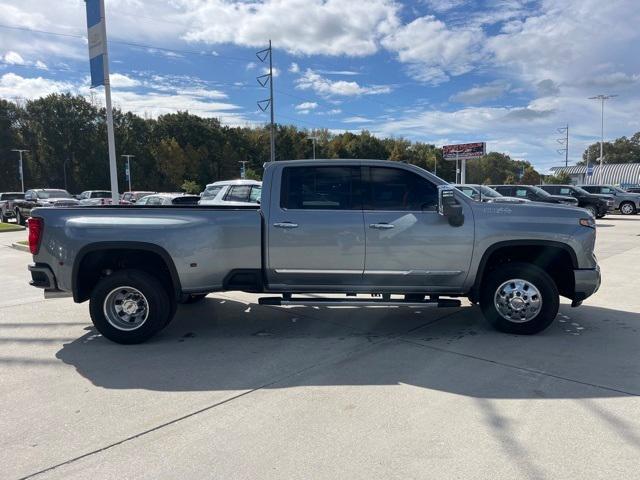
538	278
160	308
20	220
592	210
628	208
4	218
414	297
193	298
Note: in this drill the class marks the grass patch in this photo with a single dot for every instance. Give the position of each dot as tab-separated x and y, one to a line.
24	242
10	227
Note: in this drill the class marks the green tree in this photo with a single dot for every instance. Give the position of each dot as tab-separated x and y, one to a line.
189	186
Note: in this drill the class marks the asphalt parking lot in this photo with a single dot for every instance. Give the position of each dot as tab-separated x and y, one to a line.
234	390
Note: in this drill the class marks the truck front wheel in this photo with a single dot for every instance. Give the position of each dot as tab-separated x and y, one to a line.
130	306
519	298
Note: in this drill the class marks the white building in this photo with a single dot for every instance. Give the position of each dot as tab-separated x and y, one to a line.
623	174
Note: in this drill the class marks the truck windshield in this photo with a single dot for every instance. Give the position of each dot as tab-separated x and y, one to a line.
54	194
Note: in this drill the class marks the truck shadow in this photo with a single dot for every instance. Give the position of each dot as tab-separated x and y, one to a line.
227	345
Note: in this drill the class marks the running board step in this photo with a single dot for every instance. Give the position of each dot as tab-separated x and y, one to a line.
351	302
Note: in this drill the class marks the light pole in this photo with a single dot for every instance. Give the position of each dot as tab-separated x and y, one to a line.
64	172
128	157
243	169
20	165
602	98
313	139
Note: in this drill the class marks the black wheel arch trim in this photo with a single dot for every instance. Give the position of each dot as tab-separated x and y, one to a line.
124	245
518	243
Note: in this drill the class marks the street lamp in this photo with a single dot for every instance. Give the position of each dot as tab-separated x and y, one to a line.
313	139
20	165
128	157
602	98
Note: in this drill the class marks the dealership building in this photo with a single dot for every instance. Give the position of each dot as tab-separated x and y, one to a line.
622	174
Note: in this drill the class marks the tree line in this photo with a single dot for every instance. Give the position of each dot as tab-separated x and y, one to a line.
66	139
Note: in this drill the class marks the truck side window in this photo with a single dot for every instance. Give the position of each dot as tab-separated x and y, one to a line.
521	192
320	188
211	191
399	189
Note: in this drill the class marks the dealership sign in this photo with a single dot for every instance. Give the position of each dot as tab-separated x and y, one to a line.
464	151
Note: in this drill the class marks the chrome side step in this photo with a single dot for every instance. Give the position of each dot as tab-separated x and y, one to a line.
350	302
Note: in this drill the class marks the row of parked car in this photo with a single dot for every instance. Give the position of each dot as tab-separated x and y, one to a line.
232	192
597	199
597	203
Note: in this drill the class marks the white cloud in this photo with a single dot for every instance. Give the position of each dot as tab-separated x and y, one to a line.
433	51
250	66
146	102
480	93
265	71
15	86
306	106
294	68
304	27
356	119
13	58
119	80
311	80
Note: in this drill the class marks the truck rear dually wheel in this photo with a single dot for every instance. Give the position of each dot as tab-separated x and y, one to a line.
130	306
519	298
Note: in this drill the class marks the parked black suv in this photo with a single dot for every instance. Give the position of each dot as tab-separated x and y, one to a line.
597	205
535	194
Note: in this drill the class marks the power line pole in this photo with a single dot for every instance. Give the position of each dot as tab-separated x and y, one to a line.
602	98
20	171
564	142
128	157
264	104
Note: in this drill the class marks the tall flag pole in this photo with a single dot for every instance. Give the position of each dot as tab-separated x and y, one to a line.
99	64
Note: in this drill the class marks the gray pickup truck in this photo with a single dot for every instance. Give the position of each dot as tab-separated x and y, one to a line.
355	231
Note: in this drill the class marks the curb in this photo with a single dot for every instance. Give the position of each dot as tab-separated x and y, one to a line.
19	246
17	228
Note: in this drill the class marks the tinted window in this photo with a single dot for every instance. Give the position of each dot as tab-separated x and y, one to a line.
101	195
320	188
211	192
566	191
522	193
398	189
590	189
502	190
607	190
54	194
12	196
238	193
154	201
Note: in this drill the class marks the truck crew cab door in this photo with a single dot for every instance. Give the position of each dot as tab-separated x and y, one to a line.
408	244
315	229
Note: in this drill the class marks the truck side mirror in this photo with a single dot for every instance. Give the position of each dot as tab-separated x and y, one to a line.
449	207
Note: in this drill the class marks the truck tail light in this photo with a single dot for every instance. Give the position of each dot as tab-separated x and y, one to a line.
36	225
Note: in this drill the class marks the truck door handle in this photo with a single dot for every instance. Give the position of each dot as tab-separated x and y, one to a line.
285	225
381	226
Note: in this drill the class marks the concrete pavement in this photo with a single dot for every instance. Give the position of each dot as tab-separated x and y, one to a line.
235	390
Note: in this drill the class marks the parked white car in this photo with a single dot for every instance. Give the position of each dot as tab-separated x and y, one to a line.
232	192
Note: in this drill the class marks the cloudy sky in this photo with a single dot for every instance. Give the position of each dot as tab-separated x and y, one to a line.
508	72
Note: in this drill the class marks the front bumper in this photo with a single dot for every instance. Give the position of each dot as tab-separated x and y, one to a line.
587	282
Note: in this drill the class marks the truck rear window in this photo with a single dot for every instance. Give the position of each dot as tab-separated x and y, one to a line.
321	188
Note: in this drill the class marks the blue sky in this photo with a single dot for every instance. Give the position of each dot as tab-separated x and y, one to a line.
508	72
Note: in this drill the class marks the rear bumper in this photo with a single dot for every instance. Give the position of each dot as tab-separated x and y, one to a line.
587	282
43	277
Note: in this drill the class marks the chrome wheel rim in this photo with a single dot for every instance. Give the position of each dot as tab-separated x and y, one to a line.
518	300
126	308
626	209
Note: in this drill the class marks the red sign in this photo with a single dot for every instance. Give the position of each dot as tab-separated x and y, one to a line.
464	151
